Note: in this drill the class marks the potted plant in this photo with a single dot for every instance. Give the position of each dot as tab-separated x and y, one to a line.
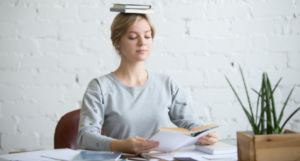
268	140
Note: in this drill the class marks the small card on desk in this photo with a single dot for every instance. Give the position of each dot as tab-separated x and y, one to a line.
184	159
98	155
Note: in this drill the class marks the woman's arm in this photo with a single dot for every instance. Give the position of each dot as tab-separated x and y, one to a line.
91	120
134	145
183	114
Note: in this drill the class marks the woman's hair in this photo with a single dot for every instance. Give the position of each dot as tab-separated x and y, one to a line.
121	24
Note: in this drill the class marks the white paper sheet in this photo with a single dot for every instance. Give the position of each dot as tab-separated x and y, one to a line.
37	155
66	154
201	156
167	143
232	157
34	156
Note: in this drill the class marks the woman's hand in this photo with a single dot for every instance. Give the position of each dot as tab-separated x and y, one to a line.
210	138
134	145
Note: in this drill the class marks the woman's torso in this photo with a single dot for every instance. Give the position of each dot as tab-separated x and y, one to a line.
135	111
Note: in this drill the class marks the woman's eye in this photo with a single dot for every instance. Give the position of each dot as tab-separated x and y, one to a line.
148	37
132	38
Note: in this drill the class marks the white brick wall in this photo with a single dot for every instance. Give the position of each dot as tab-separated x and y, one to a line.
50	50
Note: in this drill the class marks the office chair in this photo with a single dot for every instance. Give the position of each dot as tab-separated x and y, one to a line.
66	130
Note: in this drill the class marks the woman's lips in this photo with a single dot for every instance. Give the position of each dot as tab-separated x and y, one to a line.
141	51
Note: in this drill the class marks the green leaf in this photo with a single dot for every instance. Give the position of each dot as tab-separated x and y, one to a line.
248	98
268	106
285	103
289	119
276	85
261	123
258	99
263	109
276	125
251	120
256	92
269	123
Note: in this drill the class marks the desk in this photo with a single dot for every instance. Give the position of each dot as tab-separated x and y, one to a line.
70	154
123	156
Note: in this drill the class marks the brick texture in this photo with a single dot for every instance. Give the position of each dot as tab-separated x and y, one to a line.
50	50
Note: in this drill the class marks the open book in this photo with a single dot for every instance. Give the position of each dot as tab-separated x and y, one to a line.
175	138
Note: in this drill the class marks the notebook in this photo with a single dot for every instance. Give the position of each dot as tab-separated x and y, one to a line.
221	147
97	155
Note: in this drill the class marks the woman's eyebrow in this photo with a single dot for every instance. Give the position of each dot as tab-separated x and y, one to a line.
137	32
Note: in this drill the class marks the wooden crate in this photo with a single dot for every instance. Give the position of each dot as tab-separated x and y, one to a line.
280	147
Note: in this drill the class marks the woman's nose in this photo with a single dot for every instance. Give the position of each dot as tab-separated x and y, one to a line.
141	42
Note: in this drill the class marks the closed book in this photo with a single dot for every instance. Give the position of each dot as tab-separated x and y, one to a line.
171	139
131	6
97	155
217	148
141	11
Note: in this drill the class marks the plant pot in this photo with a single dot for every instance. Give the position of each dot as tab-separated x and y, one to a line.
277	147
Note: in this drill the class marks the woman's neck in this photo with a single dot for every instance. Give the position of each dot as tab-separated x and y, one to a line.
133	75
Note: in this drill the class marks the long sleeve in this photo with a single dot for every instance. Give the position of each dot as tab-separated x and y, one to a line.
91	120
181	111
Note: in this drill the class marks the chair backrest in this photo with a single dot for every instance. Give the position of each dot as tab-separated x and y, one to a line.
66	131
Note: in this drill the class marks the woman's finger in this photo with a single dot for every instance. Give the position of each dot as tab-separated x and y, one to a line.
203	141
214	135
207	140
147	150
140	139
148	145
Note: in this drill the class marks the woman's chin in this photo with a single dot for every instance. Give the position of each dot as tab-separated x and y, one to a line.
142	58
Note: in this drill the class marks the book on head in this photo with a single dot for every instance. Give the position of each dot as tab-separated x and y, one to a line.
97	155
141	11
221	147
131	6
171	139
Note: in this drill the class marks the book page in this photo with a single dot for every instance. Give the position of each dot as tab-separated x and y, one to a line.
169	141
200	128
194	140
175	129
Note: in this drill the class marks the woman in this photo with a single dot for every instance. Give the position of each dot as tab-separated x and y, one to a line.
131	103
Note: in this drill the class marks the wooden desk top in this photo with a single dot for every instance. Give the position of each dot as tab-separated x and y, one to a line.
123	156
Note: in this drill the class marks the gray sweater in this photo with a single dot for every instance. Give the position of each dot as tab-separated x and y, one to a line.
122	111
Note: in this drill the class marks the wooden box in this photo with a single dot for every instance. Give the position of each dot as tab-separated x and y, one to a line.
276	147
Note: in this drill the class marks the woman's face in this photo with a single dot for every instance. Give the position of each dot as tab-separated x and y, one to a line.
135	45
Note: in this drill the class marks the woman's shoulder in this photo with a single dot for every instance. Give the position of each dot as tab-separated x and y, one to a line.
163	78
100	81
160	76
166	81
